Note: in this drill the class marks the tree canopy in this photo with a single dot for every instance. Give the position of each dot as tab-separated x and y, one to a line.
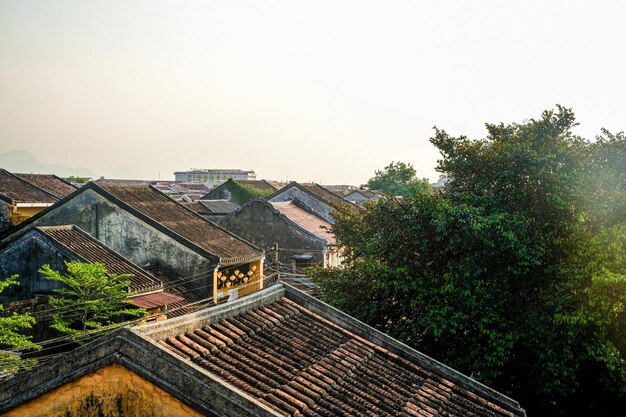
12	335
514	274
90	299
398	179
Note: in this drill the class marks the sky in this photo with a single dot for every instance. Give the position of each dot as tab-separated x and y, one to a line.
324	91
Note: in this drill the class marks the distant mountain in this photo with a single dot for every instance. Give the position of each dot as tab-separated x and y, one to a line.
25	162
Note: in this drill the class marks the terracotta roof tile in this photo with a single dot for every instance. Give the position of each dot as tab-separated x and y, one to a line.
49	183
155	299
163	210
20	191
306	220
91	250
298	363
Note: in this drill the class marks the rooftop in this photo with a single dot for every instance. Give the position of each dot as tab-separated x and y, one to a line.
90	250
318	191
278	352
159	208
17	191
212	206
306	219
49	183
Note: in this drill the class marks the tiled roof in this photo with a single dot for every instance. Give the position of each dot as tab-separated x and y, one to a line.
367	193
155	299
325	194
91	250
275	352
316	190
191	302
301	364
218	206
305	219
49	183
161	209
342	190
18	191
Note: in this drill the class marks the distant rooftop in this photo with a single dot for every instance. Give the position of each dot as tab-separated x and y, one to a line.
214	171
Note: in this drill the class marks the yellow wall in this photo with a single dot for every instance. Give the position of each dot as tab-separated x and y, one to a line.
19	214
112	391
254	284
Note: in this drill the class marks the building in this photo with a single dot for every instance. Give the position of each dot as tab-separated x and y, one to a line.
20	200
51	184
213	210
54	246
302	236
155	232
314	196
361	196
213	176
241	191
278	352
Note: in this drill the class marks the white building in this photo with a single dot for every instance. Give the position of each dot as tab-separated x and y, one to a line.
213	177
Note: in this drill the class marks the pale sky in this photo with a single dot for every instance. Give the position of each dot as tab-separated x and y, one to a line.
324	91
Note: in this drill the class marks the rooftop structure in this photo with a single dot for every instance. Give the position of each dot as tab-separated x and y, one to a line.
278	352
52	184
215	176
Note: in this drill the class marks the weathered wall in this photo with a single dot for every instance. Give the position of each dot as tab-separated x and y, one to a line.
316	205
112	391
126	234
144	245
258	223
24	257
4	217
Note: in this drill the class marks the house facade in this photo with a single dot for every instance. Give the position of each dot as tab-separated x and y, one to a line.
54	246
20	200
153	231
302	236
361	196
314	196
240	191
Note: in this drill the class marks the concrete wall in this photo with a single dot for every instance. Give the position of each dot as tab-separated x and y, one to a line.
134	239
112	391
260	224
24	257
316	205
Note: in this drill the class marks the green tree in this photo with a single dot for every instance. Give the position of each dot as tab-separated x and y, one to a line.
77	180
12	337
398	179
91	298
511	274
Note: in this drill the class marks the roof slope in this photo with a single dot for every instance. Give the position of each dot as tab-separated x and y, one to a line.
276	352
16	190
49	183
161	209
218	206
90	250
299	363
325	193
305	219
317	191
